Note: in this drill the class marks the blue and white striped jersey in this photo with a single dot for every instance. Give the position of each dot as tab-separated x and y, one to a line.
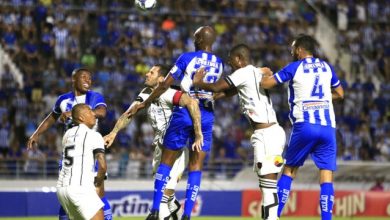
185	67
309	91
66	102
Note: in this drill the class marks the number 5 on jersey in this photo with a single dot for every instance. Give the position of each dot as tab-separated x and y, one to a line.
68	159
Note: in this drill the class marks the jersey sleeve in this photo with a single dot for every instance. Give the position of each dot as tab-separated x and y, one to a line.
97	143
167	96
287	73
57	106
334	81
144	94
178	70
235	79
99	101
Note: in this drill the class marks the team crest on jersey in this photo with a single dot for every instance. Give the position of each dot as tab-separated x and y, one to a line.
314	105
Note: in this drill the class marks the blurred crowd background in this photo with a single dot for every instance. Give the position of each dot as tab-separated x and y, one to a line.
47	39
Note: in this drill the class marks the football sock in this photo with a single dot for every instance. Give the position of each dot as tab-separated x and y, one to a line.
161	179
269	208
165	198
326	200
62	214
193	186
171	197
107	209
284	186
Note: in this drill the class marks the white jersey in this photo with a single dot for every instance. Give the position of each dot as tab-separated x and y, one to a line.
160	111
310	95
80	143
255	102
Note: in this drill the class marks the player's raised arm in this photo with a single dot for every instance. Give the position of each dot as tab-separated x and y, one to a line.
218	86
193	107
45	124
121	123
268	80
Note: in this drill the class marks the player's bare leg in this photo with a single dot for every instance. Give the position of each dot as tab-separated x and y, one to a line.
284	186
290	171
99	215
326	176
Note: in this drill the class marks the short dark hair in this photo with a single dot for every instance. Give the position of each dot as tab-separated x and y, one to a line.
306	42
163	70
78	70
242	50
76	111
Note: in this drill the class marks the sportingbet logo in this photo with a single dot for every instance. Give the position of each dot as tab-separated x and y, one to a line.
131	205
135	205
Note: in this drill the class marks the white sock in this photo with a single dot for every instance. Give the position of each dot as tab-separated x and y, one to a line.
165	199
270	199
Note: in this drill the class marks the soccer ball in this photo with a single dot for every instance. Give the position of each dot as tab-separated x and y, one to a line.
145	4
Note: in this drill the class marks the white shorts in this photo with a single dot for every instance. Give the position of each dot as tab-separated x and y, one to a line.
268	145
177	169
79	202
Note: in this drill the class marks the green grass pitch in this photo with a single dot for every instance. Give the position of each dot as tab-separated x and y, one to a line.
212	218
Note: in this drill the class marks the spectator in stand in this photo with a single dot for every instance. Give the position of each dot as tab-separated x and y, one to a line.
378	186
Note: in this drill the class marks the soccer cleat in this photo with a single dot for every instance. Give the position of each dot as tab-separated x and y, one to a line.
153	215
174	208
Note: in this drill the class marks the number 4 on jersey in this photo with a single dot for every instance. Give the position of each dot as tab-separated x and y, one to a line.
317	89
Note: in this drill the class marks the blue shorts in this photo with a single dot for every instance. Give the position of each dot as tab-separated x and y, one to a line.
317	140
180	130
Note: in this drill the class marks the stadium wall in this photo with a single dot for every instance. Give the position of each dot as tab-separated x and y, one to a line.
38	198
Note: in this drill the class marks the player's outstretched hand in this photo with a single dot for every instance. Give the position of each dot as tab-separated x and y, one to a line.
198	77
266	71
64	116
32	142
136	108
198	143
109	139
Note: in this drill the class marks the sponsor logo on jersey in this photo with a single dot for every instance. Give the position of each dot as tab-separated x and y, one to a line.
315	105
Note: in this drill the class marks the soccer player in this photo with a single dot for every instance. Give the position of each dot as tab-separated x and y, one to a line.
313	84
269	138
180	129
159	113
76	181
81	83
